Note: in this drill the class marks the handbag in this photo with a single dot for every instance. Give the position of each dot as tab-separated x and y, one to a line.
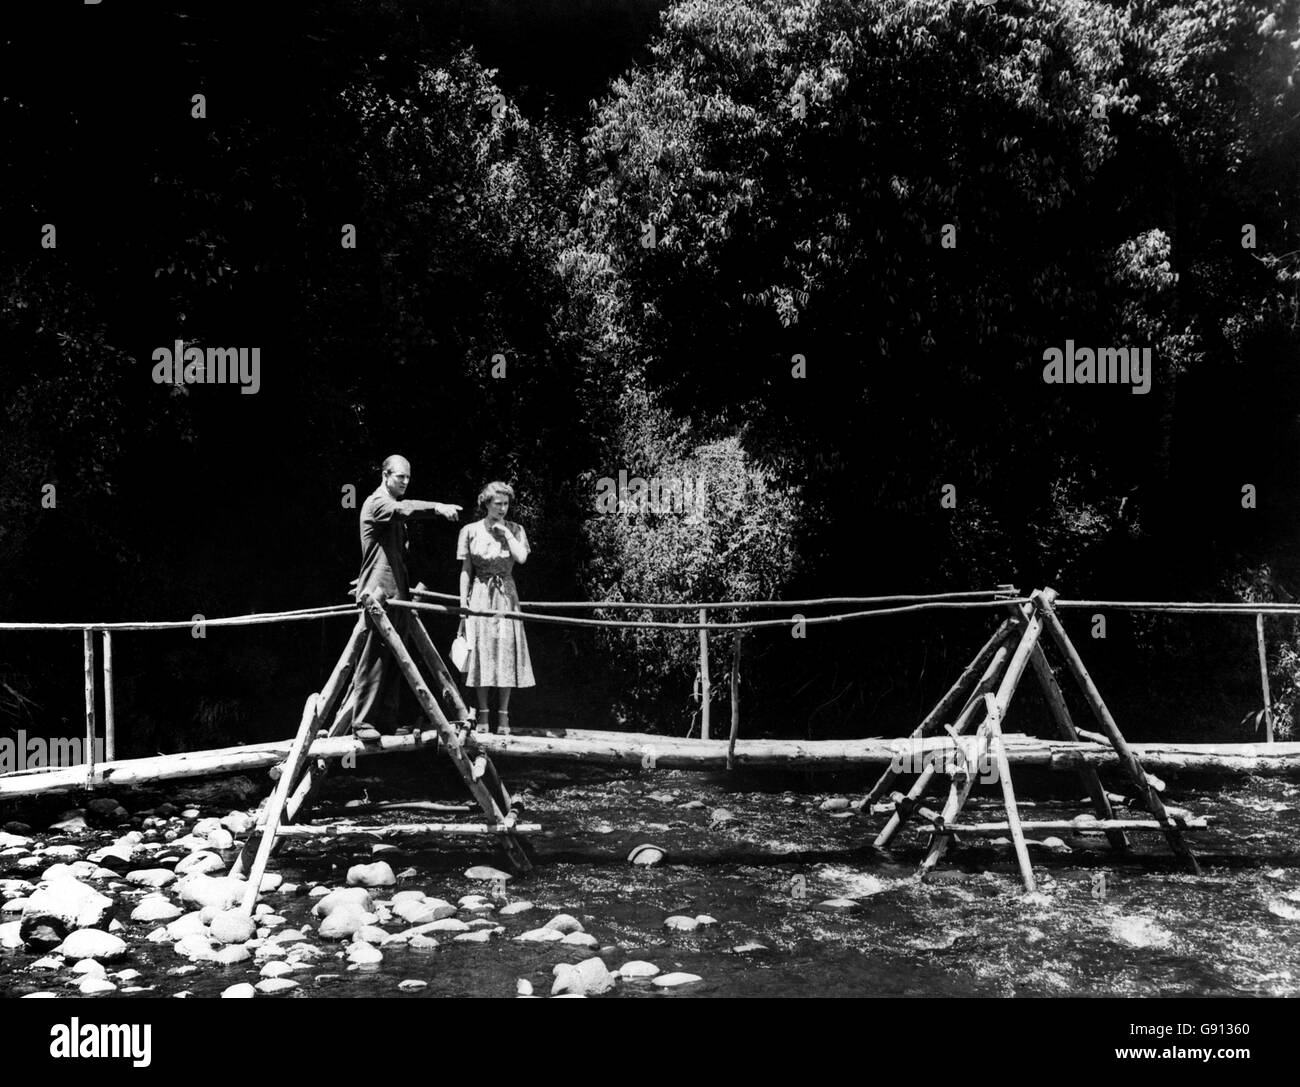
460	649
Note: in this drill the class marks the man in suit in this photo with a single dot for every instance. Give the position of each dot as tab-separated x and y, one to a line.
384	514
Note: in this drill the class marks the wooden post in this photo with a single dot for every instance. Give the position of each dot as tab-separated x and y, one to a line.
959	793
1066	727
1263	677
735	700
332	693
1008	793
293	765
986	682
936	717
1043	605
443	681
450	740
110	725
704	676
88	668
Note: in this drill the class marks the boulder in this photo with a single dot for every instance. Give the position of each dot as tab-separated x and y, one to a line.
564	923
217	892
155	908
588	978
204	862
66	904
378	874
232	927
156	878
344	922
355	896
242	991
92	943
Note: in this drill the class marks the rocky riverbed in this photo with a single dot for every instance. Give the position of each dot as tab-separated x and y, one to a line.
648	885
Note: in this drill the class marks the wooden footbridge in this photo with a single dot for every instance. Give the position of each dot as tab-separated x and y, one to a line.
962	738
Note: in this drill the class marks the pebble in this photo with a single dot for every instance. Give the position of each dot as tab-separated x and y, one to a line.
420	942
411	985
271	986
838	905
49	962
203	863
646	855
345	922
94	986
523	987
156	878
744	949
242	991
349	896
835	803
486	874
691	805
514	908
232	955
577	939
445	924
704	920
88	967
277	969
672	981
681	923
478	936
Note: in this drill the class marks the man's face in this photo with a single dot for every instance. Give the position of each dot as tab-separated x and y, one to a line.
397	479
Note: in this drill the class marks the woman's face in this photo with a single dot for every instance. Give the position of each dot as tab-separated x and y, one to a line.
497	508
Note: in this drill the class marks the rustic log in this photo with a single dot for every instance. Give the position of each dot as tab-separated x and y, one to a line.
294	763
1037	826
1263	677
704	676
443	681
110	719
88	670
1009	793
735	700
1043	605
304	830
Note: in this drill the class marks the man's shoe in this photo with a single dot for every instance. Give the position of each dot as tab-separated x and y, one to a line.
367	734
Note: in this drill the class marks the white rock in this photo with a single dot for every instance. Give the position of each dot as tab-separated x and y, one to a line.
1141	932
344	922
579	939
92	943
233	954
156	878
75	904
196	948
216	892
681	923
704	920
514	908
444	924
364	954
220	838
9	841
524	987
478	936
277	969
379	874
271	986
202	863
49	962
88	968
353	896
411	985
155	908
95	986
421	912
242	991
637	968
588	978
485	874
540	936
564	923
671	981
11	935
238	822
188	925
232	927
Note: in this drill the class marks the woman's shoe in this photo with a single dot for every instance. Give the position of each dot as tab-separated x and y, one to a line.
481	721
503	722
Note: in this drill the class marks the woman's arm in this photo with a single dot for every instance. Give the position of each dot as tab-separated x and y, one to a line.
518	544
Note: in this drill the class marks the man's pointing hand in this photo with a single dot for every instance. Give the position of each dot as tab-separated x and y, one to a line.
442	509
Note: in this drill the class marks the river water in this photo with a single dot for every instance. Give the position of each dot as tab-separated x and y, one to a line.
758	854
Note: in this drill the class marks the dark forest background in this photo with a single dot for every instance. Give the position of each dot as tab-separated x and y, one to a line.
503	165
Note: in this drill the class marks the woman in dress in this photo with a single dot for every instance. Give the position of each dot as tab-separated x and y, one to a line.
498	648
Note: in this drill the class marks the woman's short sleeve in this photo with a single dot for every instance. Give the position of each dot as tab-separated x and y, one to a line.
462	543
523	538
